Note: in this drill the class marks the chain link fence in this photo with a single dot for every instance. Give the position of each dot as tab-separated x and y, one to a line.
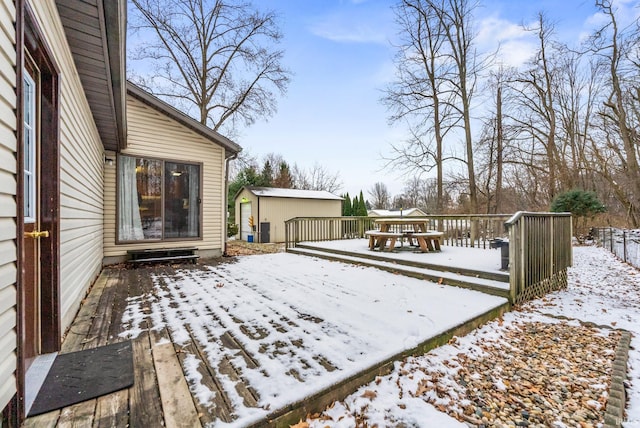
624	243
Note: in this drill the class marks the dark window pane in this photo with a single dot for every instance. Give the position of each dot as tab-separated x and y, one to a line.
181	200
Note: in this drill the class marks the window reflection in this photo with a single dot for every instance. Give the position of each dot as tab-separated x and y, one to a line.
157	199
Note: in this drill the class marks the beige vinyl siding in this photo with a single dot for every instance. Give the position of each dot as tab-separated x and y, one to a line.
81	172
154	135
8	209
277	210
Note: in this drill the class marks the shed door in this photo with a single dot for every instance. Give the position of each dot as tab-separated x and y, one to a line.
245	213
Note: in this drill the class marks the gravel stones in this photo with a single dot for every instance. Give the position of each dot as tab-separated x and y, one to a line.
533	374
529	371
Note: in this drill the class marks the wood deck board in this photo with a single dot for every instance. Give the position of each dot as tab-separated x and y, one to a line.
97	335
82	323
119	305
78	416
46	420
220	408
177	403
227	368
144	394
112	410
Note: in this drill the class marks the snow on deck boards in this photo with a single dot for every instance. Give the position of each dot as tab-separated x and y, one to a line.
255	334
487	260
298	325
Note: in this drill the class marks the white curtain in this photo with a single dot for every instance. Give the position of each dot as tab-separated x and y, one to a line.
129	222
194	195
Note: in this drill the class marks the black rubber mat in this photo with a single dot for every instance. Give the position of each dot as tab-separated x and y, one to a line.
83	375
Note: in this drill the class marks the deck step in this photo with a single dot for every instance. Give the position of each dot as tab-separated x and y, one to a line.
374	255
158	255
484	285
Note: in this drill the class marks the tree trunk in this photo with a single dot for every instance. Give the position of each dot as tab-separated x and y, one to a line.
499	137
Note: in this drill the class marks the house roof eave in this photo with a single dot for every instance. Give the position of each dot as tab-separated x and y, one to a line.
96	34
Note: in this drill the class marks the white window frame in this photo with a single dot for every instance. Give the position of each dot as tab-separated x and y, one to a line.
29	148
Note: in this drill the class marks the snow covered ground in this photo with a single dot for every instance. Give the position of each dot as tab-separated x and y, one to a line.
601	290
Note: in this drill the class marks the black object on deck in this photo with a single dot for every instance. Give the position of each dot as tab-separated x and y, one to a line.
158	255
504	251
79	376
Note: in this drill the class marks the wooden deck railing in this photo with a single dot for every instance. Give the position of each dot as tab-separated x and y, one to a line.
459	230
539	243
314	229
539	253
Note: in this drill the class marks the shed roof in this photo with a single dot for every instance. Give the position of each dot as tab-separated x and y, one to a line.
389	213
156	103
274	192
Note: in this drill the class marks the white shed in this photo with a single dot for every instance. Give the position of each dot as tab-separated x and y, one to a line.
270	207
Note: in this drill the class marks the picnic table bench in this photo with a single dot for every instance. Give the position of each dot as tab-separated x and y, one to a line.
428	241
379	239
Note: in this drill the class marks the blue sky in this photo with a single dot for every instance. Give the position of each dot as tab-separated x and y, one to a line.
341	57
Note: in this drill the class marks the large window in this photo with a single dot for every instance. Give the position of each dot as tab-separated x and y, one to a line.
157	199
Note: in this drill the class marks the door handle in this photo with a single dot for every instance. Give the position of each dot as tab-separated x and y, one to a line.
37	234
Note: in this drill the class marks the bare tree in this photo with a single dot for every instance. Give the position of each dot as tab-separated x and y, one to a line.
618	50
419	96
380	198
218	57
576	94
413	193
536	87
438	68
491	146
457	18
316	178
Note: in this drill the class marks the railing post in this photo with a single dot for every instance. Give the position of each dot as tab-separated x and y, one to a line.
286	235
553	245
513	276
611	239
297	230
624	244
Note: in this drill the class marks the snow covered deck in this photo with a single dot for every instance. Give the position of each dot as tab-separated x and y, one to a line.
249	339
485	260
